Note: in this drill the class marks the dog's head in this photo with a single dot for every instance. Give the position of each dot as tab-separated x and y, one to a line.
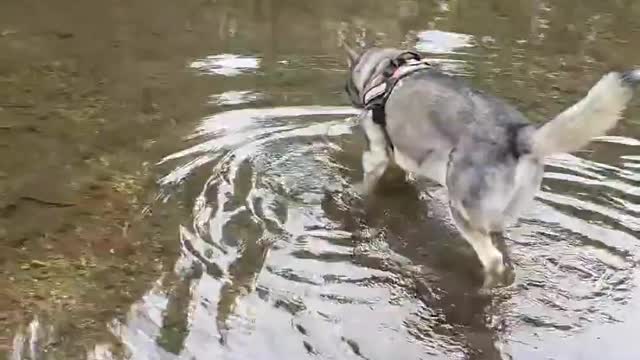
365	66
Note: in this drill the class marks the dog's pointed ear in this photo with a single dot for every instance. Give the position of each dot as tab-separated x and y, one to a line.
352	55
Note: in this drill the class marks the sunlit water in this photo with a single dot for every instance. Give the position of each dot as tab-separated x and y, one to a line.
281	260
285	268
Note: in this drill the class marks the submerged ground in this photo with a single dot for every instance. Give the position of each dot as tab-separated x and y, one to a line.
176	183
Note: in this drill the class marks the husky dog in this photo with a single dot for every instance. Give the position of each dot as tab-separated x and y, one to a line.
483	150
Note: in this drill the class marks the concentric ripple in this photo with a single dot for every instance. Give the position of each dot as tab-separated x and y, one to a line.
282	260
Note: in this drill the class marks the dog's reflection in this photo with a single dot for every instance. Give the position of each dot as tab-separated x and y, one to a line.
449	276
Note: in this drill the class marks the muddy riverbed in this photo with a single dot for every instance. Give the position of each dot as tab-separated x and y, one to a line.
176	182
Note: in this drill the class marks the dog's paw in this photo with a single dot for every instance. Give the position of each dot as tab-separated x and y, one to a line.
498	276
361	189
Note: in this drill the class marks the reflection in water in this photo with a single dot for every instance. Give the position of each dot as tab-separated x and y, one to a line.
279	258
235	97
442	42
294	264
453	45
226	64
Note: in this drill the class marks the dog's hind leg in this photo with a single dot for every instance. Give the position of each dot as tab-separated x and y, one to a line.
490	257
376	159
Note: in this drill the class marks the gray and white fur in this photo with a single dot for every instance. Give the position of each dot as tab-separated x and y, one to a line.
483	150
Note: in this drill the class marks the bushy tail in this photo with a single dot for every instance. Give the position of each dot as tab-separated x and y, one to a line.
592	116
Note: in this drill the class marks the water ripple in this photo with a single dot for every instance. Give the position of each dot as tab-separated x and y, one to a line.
292	263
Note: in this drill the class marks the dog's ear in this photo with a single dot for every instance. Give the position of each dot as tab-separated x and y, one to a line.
352	55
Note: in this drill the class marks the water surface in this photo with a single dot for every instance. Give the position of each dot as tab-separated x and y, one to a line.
194	165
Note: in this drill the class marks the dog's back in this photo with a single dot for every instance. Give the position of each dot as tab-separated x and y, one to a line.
430	113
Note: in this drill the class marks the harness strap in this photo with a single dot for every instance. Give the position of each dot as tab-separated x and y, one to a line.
375	97
378	90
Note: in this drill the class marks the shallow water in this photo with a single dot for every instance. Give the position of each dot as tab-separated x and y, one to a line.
255	146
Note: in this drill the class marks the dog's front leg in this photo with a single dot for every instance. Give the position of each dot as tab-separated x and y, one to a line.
376	159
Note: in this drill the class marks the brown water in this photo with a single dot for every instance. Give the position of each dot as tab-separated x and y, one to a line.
176	182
